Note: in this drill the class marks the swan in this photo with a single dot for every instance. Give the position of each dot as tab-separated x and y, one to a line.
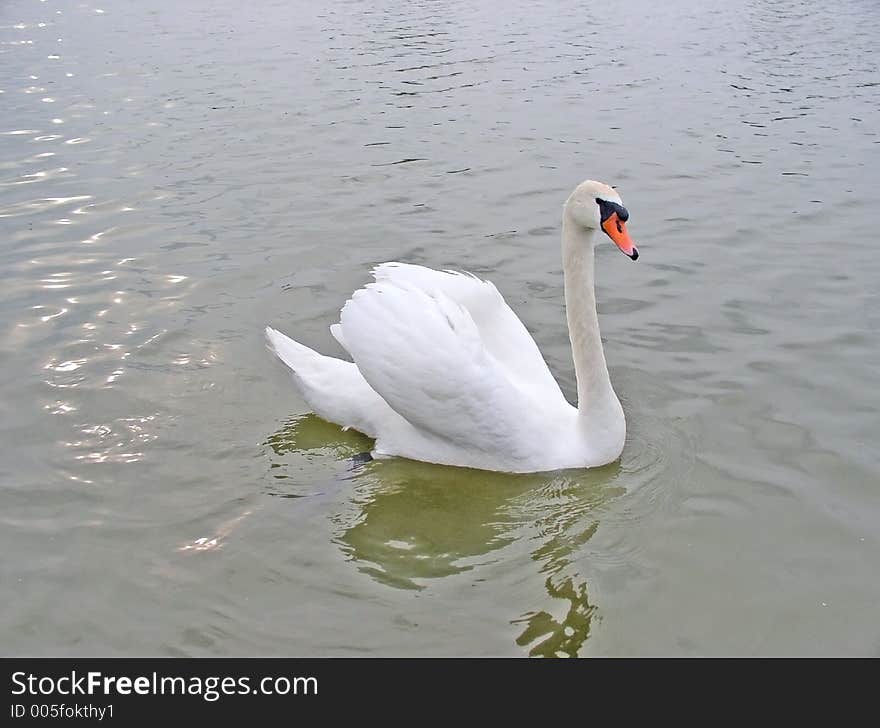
443	371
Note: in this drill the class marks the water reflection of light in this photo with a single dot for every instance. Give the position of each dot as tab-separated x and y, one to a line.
66	366
114	376
60	407
218	538
96	237
51	316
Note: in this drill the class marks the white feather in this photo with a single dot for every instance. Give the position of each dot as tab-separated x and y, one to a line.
445	372
333	388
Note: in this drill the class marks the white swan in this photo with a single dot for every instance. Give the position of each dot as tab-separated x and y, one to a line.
445	372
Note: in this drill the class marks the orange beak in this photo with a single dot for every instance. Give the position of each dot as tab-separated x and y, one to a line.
615	229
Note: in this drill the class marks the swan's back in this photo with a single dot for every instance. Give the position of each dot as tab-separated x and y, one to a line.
501	332
426	355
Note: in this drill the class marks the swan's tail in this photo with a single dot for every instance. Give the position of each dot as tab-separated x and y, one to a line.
334	389
297	356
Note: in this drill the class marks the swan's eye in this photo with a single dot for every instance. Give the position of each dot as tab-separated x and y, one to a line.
614	217
608	208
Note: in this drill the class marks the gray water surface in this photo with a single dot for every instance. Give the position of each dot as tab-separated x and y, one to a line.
176	175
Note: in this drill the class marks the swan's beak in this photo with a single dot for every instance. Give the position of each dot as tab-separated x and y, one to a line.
615	228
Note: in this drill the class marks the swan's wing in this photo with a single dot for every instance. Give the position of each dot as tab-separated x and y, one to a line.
424	355
500	330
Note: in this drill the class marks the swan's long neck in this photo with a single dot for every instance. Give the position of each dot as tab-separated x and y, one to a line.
595	393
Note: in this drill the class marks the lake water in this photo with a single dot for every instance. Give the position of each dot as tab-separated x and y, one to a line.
175	176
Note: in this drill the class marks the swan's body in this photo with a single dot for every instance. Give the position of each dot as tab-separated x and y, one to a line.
445	372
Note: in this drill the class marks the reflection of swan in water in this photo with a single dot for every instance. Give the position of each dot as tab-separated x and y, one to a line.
414	523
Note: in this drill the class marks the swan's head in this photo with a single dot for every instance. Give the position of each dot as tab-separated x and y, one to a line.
597	206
